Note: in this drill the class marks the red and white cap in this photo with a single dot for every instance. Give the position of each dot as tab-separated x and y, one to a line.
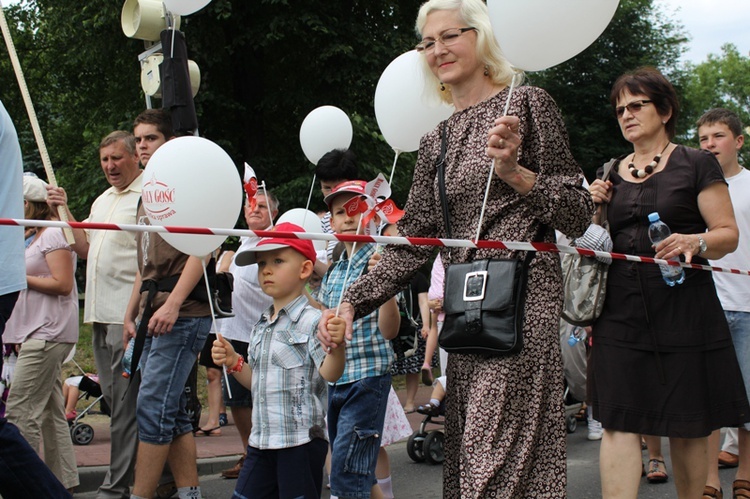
350	186
303	246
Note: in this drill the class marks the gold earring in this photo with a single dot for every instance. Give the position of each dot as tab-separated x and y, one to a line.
442	86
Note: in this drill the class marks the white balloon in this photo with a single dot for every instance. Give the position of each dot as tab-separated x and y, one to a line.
308	221
402	109
192	182
539	34
324	129
185	7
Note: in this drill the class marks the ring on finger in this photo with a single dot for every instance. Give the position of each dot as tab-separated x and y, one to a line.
501	143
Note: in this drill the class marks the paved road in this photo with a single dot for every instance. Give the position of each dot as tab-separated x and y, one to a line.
423	481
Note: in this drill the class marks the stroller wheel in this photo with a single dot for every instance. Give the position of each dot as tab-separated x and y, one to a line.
414	447
571	423
82	434
433	447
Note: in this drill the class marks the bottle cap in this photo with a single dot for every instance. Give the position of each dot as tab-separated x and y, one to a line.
653	217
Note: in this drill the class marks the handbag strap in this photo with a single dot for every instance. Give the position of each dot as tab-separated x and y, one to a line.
441	182
607	170
444	199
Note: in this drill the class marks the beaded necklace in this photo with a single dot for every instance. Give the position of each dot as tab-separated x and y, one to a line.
649	169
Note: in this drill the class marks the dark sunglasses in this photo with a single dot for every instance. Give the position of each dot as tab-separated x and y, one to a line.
633	107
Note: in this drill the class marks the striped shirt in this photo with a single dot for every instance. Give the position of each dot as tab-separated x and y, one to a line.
368	354
289	395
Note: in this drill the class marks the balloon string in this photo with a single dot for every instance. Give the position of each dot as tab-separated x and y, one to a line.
492	163
309	197
268	201
393	168
213	320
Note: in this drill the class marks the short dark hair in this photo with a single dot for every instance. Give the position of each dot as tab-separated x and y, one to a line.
723	116
650	82
127	139
159	118
339	164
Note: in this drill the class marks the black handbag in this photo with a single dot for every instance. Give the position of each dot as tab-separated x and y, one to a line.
484	299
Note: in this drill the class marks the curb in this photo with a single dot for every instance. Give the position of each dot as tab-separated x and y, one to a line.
91	477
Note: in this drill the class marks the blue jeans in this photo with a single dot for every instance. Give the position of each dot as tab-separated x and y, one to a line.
739	327
241	396
289	473
165	365
356	412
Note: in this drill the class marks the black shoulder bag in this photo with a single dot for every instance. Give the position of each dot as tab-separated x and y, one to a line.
484	299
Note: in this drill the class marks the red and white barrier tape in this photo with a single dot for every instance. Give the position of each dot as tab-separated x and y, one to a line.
409	241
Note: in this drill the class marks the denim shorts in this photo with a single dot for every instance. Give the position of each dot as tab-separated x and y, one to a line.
356	412
241	396
165	365
739	327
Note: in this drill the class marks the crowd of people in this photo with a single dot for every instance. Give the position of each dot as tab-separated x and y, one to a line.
309	382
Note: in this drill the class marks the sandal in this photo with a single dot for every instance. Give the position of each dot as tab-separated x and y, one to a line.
712	493
740	489
657	471
211	432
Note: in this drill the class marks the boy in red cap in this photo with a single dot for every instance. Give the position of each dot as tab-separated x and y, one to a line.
287	372
357	401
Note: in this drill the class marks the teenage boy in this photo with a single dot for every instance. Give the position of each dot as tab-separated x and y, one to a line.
357	402
176	329
286	371
720	132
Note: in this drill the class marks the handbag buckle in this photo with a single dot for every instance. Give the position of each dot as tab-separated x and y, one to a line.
475	285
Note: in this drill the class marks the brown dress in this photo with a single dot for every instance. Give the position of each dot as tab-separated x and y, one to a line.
662	361
505	434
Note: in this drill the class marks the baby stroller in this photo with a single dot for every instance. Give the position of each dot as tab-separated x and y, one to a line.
83	433
424	445
573	345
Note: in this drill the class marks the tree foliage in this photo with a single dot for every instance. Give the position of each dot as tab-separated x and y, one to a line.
265	65
721	81
639	35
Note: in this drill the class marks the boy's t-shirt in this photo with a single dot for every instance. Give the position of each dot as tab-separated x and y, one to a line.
289	394
368	354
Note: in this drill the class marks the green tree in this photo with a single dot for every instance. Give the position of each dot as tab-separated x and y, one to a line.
640	34
720	81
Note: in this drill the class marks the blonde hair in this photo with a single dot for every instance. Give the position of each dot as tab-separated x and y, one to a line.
475	14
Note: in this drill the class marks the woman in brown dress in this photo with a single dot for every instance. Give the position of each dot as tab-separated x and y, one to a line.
662	361
505	434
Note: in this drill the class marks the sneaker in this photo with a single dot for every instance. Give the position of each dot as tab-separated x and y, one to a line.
166	490
223	421
595	429
234	471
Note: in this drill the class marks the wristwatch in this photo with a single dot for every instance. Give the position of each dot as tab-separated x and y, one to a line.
702	244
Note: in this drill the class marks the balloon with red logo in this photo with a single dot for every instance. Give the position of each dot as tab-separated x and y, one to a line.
192	182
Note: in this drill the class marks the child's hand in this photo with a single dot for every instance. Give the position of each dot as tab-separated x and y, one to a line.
374	259
222	352
436	305
336	328
425	332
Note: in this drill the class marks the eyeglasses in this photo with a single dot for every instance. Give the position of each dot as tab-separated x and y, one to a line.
446	38
633	107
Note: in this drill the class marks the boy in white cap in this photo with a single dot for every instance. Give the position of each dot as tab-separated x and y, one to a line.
287	372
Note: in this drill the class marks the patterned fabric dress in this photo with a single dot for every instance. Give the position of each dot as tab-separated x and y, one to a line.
505	434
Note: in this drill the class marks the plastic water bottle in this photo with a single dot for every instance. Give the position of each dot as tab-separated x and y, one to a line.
127	359
578	334
657	232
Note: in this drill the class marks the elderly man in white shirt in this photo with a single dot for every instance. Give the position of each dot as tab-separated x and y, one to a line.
110	273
